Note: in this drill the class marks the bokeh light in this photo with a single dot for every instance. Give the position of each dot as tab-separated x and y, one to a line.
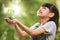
13	8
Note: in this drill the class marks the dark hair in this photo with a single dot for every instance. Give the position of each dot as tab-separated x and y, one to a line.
53	9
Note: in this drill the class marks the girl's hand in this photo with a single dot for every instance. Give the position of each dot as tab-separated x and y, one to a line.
13	21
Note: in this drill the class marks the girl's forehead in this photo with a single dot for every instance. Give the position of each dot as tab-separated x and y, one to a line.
43	7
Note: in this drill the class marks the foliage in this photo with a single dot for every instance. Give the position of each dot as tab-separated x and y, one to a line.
7	32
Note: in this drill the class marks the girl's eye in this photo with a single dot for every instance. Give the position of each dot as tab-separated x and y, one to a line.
44	7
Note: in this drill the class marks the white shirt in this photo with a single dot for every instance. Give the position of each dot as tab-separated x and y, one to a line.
50	28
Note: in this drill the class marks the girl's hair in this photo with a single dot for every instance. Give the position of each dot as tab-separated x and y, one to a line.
53	9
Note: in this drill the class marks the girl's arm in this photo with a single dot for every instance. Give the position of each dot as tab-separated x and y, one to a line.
20	32
29	31
35	32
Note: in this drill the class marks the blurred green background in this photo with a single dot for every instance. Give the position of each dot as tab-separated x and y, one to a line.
23	10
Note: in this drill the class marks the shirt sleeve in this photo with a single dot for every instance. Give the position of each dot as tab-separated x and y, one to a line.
49	27
36	25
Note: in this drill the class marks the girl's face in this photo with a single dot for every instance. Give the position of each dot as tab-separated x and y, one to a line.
43	12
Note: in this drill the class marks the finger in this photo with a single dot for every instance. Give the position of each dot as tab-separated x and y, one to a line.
8	20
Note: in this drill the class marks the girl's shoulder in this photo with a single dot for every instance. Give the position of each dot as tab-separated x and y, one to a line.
51	22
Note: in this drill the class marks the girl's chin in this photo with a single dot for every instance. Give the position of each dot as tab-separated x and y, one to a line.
38	15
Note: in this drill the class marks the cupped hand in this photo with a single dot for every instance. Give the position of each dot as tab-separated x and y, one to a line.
9	21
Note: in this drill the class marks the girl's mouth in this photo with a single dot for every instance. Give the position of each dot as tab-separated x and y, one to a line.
40	12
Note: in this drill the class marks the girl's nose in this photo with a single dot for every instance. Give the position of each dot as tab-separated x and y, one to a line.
40	9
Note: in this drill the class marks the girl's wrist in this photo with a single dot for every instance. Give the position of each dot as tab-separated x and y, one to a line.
17	21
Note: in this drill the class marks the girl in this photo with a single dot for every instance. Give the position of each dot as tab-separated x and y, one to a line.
44	30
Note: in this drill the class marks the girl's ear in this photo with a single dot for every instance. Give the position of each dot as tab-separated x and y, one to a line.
51	14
